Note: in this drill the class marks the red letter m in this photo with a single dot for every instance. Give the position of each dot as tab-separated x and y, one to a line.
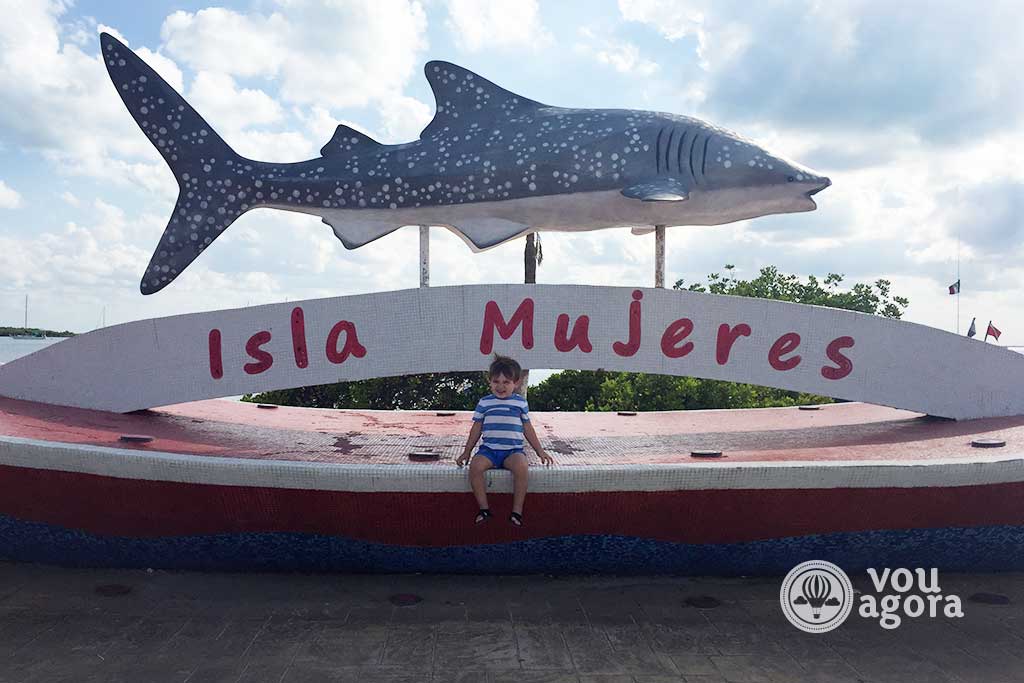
493	320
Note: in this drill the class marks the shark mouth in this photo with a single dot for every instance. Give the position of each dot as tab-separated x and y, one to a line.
825	182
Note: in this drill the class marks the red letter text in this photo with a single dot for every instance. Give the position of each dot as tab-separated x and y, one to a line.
263	359
352	346
630	347
578	336
834	355
787	343
216	361
493	320
726	338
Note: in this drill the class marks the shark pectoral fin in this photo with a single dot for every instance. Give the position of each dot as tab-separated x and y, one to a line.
354	233
658	190
484	233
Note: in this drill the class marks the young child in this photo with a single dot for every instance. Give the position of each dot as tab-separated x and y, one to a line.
503	418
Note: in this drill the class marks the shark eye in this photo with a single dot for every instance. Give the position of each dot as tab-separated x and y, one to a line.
790	179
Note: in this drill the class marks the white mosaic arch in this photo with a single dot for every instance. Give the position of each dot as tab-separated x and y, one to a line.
826	351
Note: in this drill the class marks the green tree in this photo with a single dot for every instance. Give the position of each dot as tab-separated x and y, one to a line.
876	298
429	391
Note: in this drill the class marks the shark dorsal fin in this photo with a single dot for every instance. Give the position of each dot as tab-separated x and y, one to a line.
462	97
346	139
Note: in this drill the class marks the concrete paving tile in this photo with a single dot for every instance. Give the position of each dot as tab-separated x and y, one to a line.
215	637
377	615
828	671
609	609
319	672
217	670
262	670
745	643
157	669
633	647
688	665
534	677
410	648
18	628
591	651
72	669
428	614
678	614
490	611
807	647
606	678
145	636
476	646
344	646
681	639
756	668
542	647
460	677
281	638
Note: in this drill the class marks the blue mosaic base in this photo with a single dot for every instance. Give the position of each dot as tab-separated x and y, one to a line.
995	548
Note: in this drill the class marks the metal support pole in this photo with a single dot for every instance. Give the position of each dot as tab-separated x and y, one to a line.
424	256
659	256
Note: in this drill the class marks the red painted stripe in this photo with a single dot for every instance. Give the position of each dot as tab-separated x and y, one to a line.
125	507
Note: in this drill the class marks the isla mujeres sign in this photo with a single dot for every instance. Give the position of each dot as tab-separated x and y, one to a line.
791	346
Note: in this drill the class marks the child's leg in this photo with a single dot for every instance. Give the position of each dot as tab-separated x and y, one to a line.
477	467
516	464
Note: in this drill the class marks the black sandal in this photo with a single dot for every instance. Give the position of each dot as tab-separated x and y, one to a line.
482	516
516	519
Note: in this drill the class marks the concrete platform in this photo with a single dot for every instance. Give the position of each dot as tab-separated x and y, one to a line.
834	432
230	485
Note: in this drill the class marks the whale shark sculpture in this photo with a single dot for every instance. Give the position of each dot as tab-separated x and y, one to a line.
491	166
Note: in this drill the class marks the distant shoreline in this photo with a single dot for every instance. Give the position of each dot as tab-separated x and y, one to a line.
32	332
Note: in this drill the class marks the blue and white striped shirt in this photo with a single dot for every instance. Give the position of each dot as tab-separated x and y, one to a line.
503	420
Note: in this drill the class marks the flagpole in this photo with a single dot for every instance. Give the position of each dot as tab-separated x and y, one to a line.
958	279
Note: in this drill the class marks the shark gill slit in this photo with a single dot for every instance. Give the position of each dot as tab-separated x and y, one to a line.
668	150
657	151
704	156
693	145
679	152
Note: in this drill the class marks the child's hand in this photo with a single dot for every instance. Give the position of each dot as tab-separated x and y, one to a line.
545	458
462	460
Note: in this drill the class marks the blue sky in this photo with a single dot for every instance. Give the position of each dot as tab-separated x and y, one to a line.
912	109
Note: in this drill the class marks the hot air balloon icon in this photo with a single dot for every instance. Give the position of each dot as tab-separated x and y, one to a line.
816	596
817	591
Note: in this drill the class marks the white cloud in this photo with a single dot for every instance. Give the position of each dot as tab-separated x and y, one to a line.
497	24
231	109
227	41
338	54
9	197
622	56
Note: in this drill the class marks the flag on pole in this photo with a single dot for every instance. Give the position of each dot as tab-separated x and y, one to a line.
993	331
973	331
955	287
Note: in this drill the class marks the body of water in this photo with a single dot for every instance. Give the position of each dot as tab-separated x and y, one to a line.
16	348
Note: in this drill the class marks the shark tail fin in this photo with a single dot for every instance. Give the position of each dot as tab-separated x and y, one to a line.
213	179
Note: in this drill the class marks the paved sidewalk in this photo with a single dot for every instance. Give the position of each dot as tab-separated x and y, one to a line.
122	625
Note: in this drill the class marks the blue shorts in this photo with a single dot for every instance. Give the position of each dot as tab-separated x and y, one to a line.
495	456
